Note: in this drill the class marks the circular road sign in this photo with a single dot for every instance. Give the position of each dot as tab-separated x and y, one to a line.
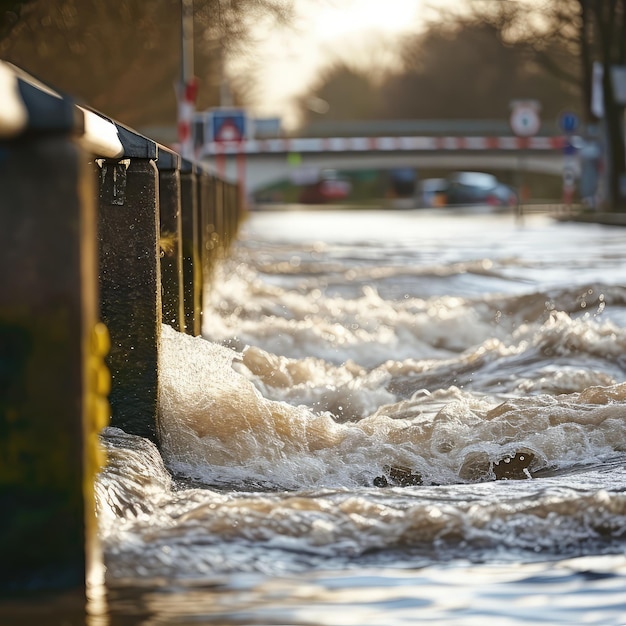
525	120
568	122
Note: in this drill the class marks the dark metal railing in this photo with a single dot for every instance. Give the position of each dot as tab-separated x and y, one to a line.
104	235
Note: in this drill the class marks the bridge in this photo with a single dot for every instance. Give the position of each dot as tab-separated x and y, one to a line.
258	163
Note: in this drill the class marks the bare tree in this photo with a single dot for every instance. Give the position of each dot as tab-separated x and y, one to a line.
591	31
466	67
604	38
341	93
123	57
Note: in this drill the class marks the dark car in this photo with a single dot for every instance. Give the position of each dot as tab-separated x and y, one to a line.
479	188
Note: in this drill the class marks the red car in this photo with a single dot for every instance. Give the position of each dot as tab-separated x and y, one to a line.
327	189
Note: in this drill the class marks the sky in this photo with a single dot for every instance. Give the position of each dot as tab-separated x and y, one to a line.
351	30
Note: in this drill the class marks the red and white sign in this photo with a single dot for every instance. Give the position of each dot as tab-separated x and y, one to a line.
228	125
525	120
228	132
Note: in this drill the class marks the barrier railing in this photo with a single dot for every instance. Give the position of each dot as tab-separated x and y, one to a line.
104	234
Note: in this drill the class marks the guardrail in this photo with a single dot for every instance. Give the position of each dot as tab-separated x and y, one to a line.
104	234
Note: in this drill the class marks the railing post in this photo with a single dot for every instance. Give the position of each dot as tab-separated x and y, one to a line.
233	214
192	268
53	382
171	252
209	237
219	213
130	282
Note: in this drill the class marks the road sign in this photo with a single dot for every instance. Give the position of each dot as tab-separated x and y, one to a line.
228	125
568	122
524	118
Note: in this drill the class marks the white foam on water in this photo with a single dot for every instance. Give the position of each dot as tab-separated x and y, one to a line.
218	426
315	372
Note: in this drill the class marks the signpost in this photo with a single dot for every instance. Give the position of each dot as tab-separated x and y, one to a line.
525	122
568	123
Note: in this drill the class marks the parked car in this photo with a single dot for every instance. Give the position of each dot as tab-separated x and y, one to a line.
478	188
331	187
465	188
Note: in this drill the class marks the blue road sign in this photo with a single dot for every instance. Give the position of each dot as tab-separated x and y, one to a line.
228	124
568	122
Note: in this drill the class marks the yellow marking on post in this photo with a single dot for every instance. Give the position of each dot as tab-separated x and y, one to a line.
100	340
97	406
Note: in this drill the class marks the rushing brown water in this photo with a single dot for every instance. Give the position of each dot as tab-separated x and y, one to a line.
340	348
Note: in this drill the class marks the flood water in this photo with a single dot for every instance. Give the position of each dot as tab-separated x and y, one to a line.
416	350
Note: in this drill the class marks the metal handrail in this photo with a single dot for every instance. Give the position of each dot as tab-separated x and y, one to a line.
28	104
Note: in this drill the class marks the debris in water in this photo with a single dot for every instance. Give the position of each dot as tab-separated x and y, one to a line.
513	467
509	468
398	477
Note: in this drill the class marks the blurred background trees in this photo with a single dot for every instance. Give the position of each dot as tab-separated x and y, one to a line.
472	71
341	93
592	34
123	57
472	65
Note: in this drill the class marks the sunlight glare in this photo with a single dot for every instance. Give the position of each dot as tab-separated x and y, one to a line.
393	16
355	31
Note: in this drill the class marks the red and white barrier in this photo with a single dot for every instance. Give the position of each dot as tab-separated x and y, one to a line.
381	144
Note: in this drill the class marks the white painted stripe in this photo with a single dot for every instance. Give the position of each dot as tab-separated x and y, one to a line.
541	143
476	143
414	143
424	143
450	143
337	144
252	146
275	145
13	113
304	144
386	143
100	137
537	142
508	143
358	144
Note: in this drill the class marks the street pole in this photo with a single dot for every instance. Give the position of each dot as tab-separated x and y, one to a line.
187	87
226	96
186	41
